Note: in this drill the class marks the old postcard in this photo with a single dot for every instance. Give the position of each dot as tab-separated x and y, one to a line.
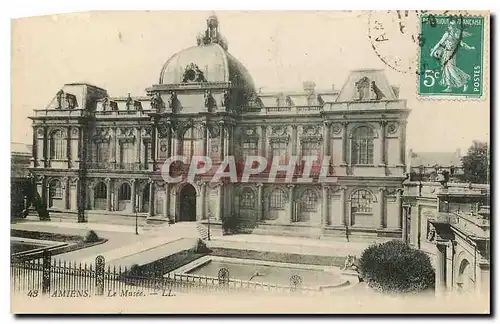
251	162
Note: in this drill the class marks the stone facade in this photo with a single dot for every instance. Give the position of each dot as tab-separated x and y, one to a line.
451	223
105	154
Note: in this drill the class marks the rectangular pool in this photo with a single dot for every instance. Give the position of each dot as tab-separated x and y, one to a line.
264	271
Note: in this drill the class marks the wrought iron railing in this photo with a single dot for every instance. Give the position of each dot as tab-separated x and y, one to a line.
49	277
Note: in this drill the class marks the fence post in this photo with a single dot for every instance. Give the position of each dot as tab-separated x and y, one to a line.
46	272
223	277
99	275
295	282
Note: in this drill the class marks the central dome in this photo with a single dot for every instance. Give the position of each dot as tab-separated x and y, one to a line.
208	62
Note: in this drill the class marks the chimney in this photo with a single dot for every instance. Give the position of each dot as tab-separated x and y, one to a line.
459	153
409	161
396	91
333	87
308	86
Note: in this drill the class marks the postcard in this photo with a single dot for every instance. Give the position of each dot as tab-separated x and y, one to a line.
251	162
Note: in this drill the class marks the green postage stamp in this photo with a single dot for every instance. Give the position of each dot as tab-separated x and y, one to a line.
451	59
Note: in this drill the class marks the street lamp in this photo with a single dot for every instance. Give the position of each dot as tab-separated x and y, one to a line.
208	231
135	210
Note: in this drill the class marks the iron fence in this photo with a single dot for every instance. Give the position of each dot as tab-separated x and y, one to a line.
47	276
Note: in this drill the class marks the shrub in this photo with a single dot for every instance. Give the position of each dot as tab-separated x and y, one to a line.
201	247
230	225
135	270
92	237
395	267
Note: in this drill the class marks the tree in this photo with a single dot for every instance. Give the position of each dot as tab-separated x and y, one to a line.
476	163
395	267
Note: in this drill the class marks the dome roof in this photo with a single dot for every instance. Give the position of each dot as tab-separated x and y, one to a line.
209	62
215	63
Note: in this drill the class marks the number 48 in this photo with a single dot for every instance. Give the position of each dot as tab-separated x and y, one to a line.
430	78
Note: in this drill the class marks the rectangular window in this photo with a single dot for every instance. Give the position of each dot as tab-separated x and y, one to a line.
102	152
126	154
249	149
280	149
362	151
312	149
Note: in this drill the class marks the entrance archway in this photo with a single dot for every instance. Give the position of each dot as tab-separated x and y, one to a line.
463	278
187	210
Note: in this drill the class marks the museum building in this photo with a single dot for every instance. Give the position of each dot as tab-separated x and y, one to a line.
105	154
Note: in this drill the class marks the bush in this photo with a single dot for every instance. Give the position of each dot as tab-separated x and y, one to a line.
135	270
230	225
201	247
395	267
92	237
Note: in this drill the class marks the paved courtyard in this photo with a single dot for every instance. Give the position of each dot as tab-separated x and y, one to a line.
125	248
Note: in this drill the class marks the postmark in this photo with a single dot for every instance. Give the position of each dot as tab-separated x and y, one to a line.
451	58
394	37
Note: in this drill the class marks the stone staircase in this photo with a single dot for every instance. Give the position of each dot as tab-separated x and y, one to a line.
202	231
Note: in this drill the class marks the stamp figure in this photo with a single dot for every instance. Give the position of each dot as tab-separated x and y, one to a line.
451	56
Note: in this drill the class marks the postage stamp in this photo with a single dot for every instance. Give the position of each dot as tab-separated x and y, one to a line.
451	58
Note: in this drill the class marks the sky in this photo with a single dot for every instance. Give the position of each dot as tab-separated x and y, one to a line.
125	51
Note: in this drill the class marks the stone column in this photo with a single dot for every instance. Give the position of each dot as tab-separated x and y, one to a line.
132	194
201	206
151	197
382	160
139	145
264	141
294	140
344	143
398	206
167	200
67	190
291	203
260	203
342	205
441	247
349	222
152	161
68	146
402	143
324	206
205	138
221	200
326	138
404	233
221	139
108	194
381	202
112	146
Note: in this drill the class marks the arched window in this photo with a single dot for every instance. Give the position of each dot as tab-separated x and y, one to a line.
309	200
124	192
100	191
191	142
247	199
362	146
277	199
57	145
361	201
55	189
